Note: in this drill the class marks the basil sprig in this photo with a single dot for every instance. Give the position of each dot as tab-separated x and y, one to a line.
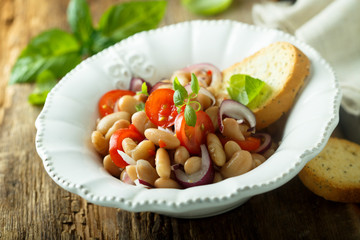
144	89
58	51
182	98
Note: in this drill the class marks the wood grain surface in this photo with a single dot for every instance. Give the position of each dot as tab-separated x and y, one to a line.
32	206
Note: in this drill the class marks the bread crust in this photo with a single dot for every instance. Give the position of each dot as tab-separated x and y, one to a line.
280	101
339	184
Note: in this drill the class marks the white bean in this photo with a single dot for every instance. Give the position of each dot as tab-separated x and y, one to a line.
166	183
192	165
162	138
128	104
230	148
216	150
106	122
181	155
99	142
232	129
162	163
240	163
110	166
213	114
141	121
146	172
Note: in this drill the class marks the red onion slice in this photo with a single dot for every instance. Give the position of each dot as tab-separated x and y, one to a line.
216	80
266	142
126	178
136	83
126	158
202	91
204	176
168	130
142	183
176	167
159	85
235	110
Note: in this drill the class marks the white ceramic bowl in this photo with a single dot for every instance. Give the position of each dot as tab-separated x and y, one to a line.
70	112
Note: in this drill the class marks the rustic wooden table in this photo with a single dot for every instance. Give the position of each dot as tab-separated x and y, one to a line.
32	206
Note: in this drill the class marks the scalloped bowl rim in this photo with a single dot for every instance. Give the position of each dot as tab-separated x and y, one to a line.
189	202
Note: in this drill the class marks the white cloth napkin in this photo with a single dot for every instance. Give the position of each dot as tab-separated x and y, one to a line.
332	27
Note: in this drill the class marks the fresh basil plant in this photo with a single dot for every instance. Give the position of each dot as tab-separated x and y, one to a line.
56	52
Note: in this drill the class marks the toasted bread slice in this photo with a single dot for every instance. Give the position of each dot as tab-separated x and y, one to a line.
283	67
335	173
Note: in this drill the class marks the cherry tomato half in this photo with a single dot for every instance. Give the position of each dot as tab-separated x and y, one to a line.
107	101
192	137
160	107
249	144
115	143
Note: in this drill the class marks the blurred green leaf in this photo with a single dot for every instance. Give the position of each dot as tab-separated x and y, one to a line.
80	21
45	81
100	41
125	19
53	42
55	50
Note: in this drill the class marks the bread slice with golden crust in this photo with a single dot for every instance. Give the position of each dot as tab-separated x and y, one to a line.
335	173
280	65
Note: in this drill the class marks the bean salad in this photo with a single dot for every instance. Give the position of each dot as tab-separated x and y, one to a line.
177	133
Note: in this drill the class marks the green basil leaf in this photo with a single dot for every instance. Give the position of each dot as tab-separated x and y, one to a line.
144	89
61	65
54	50
176	84
180	88
100	42
244	88
140	107
27	68
80	21
237	90
53	42
125	19
194	84
261	97
190	116
178	98
45	81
